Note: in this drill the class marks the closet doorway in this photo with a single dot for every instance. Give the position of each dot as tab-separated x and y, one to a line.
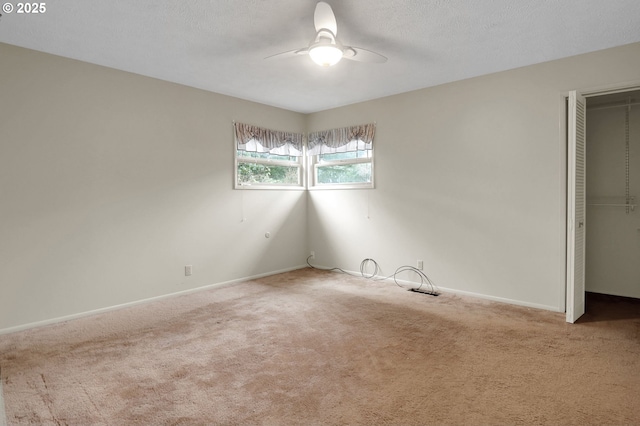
612	251
603	186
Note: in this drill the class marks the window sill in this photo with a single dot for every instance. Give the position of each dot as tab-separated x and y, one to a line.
341	186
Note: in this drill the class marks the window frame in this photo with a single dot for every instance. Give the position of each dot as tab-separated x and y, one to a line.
256	145
290	150
300	164
315	163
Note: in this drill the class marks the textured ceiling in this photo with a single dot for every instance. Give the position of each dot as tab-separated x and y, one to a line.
220	45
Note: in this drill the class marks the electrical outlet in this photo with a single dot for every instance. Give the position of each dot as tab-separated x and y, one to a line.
420	264
313	255
188	270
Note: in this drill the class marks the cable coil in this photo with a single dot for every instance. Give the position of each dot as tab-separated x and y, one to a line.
430	289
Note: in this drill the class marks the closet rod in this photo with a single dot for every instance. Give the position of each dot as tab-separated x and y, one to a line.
629	203
613	106
612	205
631	206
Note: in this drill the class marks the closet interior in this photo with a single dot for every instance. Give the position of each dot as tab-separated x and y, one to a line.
612	263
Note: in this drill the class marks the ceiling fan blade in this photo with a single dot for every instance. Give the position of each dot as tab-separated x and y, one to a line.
290	53
363	55
324	18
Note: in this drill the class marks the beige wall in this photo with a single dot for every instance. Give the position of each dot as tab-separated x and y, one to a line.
613	236
470	178
110	183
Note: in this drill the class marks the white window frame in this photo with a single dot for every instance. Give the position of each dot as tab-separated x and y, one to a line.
315	164
300	164
252	139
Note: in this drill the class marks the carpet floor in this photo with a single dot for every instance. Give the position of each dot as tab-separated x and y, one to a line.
310	347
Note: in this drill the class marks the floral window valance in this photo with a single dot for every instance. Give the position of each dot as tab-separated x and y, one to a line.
258	139
345	139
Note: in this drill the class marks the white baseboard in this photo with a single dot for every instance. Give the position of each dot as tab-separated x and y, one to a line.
468	293
138	302
502	300
230	282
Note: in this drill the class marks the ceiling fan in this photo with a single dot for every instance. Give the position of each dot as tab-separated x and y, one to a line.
325	49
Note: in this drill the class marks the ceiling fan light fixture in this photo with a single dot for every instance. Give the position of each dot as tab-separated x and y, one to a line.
325	50
325	55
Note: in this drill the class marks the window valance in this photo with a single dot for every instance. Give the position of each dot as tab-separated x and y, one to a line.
258	139
345	139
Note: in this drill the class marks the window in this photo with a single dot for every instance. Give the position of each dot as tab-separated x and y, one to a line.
342	158
268	159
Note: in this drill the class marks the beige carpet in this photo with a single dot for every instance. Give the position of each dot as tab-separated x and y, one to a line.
312	347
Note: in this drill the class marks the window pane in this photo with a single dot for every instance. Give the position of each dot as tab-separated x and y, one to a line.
265	156
250	173
348	173
345	155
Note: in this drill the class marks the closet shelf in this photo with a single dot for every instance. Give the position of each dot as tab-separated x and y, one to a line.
613	202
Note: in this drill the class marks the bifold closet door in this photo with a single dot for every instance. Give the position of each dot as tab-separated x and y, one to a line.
576	201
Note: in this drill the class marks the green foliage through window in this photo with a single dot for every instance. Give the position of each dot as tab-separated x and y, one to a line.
255	173
348	173
344	168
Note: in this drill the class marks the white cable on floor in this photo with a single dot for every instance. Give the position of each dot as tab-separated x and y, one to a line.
429	289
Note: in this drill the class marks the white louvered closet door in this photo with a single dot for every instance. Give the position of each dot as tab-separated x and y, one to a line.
576	206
